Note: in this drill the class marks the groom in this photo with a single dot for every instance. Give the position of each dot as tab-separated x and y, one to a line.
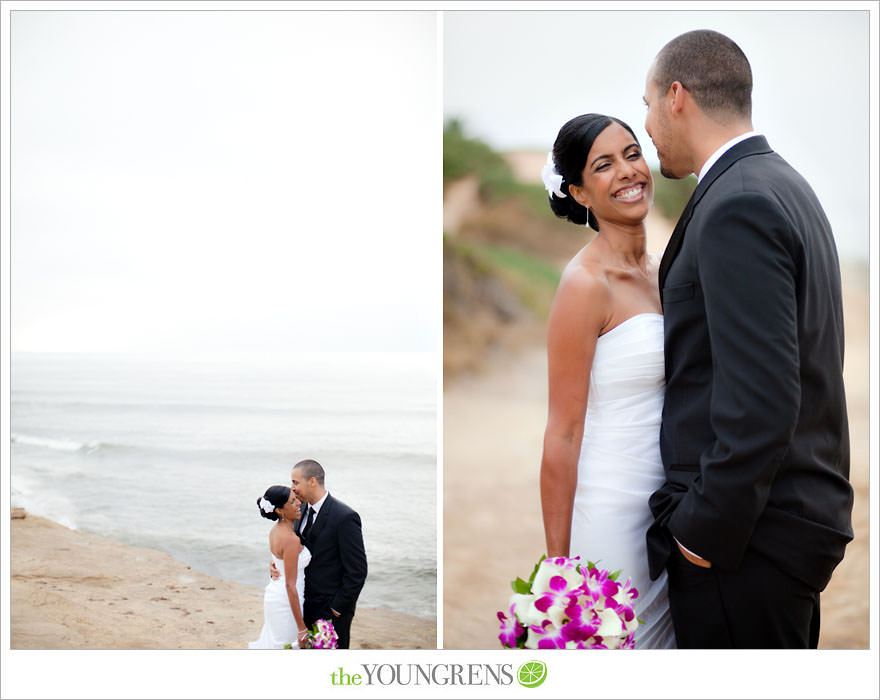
338	568
755	511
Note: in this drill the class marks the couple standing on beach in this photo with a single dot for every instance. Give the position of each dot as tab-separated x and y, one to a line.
697	433
318	560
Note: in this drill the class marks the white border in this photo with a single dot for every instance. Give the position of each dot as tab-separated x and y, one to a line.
438	218
233	674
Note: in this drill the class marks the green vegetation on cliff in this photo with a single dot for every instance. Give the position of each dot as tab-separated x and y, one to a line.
464	156
532	280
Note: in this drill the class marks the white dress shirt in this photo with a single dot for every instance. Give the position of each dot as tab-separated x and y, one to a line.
317	506
721	151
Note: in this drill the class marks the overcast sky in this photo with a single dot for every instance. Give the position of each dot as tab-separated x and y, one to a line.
515	77
201	181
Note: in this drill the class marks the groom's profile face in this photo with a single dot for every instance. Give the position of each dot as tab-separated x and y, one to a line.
302	487
660	129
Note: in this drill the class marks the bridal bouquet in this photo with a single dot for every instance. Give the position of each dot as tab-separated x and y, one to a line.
322	635
565	605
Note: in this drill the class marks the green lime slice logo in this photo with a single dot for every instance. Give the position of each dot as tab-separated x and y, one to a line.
531	674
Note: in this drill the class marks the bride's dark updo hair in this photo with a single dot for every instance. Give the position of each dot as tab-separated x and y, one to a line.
570	151
278	496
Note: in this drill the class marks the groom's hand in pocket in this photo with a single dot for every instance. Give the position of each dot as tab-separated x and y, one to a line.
694	559
273	571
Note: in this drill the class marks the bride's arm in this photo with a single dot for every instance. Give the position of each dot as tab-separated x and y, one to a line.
576	318
291	559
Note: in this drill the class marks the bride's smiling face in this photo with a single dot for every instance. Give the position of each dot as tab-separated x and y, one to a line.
291	509
617	183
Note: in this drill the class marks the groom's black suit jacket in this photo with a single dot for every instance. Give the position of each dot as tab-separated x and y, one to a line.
338	568
754	437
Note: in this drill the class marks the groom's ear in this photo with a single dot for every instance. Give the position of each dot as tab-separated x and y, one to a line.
677	96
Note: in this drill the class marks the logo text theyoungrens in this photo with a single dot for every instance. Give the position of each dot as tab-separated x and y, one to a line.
425	674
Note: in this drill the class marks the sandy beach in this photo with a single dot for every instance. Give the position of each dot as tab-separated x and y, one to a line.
75	590
493	429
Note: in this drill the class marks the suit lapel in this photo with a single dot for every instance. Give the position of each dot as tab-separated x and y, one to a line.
751	146
321	519
675	242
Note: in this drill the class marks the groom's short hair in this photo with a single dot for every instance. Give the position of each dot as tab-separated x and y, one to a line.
712	68
310	468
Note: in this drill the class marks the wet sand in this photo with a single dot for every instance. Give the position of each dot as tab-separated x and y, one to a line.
74	590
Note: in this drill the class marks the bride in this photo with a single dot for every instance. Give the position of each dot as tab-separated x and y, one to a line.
601	457
283	599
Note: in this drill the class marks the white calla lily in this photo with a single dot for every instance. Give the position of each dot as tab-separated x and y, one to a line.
611	624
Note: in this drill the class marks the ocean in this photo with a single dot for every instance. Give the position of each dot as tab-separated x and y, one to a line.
172	454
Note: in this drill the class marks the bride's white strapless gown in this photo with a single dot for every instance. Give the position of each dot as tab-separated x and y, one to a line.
279	627
620	467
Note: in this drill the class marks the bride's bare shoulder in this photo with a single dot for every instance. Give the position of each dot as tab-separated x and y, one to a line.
584	278
582	303
288	543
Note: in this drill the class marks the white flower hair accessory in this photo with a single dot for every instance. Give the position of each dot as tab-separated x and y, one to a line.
266	505
551	177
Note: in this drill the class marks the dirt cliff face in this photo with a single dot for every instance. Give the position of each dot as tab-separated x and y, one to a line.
492	302
481	315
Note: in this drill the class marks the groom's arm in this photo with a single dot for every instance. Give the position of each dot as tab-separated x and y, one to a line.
748	277
353	560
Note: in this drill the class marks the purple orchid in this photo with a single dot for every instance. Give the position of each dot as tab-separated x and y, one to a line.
623	601
583	619
546	636
629	642
558	595
511	629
